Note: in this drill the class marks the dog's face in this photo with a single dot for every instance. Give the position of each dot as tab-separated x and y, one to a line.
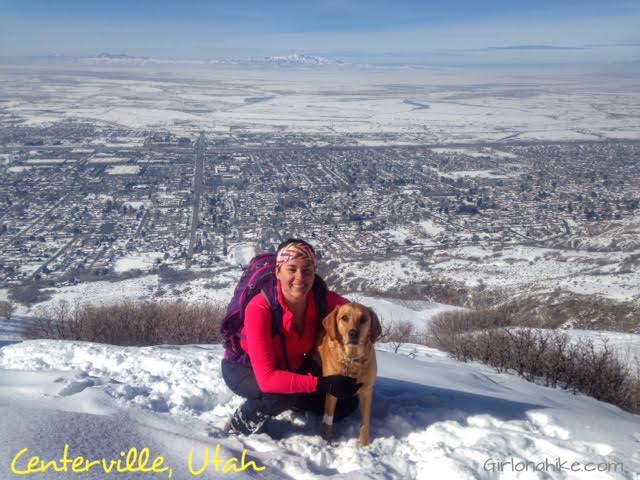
353	325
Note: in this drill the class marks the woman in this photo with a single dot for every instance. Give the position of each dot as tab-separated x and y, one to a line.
267	385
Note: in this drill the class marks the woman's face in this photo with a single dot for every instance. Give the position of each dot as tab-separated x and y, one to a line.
296	278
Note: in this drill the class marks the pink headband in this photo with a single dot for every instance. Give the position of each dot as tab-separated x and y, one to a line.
295	250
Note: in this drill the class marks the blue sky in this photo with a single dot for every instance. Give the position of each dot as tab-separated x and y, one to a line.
440	32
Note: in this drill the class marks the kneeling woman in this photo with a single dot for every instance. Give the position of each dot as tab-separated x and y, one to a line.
282	374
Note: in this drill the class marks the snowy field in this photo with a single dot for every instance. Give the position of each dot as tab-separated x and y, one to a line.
379	103
141	261
433	417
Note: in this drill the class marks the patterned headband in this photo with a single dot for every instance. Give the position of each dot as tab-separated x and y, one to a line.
295	250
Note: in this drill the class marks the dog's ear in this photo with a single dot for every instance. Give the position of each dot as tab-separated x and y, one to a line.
329	323
375	330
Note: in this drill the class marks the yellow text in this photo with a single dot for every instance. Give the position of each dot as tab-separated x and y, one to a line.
132	461
221	465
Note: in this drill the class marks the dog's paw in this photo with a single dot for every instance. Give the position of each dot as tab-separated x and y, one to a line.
363	438
363	442
327	432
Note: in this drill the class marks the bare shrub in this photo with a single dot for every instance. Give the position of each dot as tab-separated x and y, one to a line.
7	308
170	275
548	356
434	290
398	333
130	323
29	294
445	327
550	309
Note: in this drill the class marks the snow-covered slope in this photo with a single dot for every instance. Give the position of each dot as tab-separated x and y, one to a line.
433	417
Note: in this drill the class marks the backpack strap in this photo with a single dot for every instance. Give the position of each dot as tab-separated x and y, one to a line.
320	296
276	323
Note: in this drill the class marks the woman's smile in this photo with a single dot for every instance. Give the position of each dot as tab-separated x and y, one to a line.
296	279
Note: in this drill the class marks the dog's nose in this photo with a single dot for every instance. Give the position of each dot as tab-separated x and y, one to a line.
353	335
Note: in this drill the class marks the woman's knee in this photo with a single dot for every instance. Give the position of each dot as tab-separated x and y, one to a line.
240	379
274	403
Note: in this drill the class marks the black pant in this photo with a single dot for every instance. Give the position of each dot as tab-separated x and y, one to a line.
242	381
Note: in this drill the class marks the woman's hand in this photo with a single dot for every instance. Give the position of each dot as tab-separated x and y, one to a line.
339	386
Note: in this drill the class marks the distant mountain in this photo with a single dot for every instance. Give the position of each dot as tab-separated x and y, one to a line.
292	60
298	59
113	55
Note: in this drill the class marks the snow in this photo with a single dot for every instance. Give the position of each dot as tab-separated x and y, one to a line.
433	417
241	254
105	292
578	271
620	287
332	101
45	161
123	170
107	159
399	234
394	311
138	204
625	345
431	228
18	169
474	173
136	117
39	120
462	151
101	197
384	274
141	261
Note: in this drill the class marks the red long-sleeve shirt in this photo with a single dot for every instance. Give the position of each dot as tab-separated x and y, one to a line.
265	351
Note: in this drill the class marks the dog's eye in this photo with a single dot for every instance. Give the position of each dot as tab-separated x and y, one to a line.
344	318
363	320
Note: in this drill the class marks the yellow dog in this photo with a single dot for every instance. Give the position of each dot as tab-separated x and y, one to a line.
346	348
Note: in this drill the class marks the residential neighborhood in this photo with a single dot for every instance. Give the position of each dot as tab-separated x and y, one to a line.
77	199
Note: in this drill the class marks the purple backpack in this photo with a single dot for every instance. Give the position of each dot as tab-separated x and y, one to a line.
260	277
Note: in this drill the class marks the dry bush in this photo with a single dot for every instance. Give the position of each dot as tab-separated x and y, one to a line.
547	356
445	327
170	275
7	308
398	332
29	294
130	323
434	290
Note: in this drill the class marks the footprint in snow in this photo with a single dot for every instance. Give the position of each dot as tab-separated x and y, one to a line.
74	387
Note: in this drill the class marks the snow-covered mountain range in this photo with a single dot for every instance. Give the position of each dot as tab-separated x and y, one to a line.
287	60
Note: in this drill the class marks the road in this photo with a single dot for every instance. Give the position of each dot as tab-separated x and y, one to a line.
198	176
